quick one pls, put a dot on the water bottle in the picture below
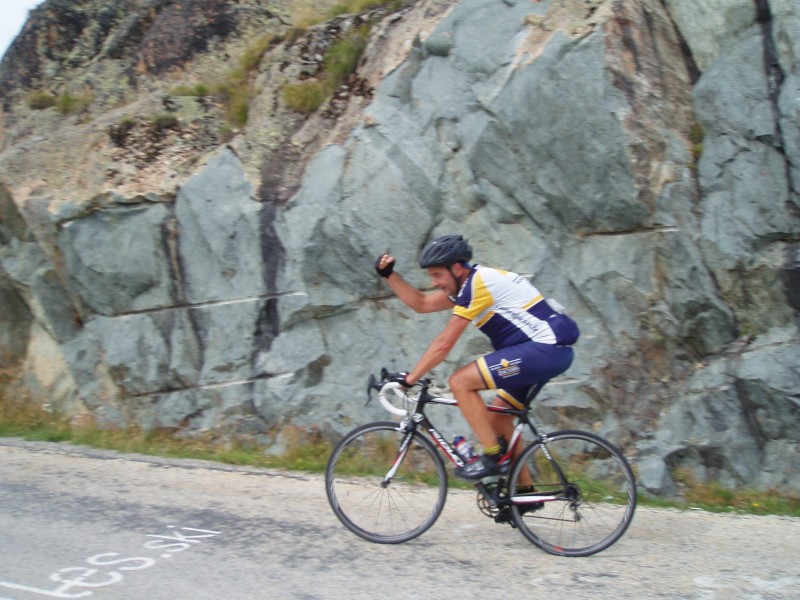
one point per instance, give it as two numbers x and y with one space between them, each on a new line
464 449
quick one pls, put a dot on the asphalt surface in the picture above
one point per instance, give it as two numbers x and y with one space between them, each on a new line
82 523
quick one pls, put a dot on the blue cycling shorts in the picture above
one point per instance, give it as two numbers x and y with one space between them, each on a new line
513 370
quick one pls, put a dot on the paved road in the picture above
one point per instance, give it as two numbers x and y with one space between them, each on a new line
83 523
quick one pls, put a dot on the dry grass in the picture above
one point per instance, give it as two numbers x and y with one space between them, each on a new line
713 496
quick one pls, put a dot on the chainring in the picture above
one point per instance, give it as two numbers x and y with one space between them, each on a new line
495 489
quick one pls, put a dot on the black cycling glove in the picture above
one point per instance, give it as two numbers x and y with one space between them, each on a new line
385 271
400 378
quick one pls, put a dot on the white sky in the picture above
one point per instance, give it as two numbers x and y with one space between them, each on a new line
13 14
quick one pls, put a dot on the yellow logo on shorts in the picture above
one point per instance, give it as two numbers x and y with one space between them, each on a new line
506 368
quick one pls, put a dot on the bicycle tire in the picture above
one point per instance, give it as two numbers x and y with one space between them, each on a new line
385 512
592 511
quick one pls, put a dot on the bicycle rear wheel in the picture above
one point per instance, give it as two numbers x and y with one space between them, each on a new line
591 511
376 503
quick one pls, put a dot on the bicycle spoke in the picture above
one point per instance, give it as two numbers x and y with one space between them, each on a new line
379 497
595 507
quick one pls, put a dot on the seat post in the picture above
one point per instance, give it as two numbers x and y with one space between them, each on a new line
534 392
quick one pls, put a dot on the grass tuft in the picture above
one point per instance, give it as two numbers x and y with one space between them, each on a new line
67 104
41 100
696 135
342 57
306 96
355 7
236 90
199 90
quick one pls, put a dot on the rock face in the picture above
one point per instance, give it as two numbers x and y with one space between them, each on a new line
639 158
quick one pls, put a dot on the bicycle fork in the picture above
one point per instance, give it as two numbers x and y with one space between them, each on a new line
398 460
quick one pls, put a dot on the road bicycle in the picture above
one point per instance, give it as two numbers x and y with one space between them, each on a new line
387 483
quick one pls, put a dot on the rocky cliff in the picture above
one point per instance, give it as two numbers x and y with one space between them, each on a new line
171 262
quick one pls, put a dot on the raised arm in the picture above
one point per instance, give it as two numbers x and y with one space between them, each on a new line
416 300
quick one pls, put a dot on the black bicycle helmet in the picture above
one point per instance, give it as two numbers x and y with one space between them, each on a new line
445 251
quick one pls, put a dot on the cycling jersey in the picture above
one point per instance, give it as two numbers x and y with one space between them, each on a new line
510 310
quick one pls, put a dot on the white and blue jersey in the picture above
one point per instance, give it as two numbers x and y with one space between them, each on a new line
508 308
531 340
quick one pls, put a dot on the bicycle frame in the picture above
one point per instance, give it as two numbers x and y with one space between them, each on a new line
415 417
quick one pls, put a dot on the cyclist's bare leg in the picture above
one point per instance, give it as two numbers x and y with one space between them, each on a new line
504 425
464 384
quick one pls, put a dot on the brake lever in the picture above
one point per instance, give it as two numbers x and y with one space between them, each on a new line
372 384
375 384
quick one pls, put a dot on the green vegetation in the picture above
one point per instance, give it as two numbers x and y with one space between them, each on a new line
41 100
65 103
696 135
305 97
340 61
342 57
198 90
714 497
356 7
235 90
254 53
18 418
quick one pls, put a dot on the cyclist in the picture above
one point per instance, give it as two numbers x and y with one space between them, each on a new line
532 339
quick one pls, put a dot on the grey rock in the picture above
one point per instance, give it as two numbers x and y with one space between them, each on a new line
117 259
709 26
237 297
218 234
744 180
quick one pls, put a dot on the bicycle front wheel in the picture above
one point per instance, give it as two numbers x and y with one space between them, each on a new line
380 490
586 511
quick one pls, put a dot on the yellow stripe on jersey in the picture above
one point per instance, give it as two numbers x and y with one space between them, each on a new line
481 300
498 302
536 300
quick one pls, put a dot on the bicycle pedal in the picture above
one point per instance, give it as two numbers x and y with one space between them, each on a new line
503 517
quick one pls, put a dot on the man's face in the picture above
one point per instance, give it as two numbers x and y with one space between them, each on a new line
444 280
